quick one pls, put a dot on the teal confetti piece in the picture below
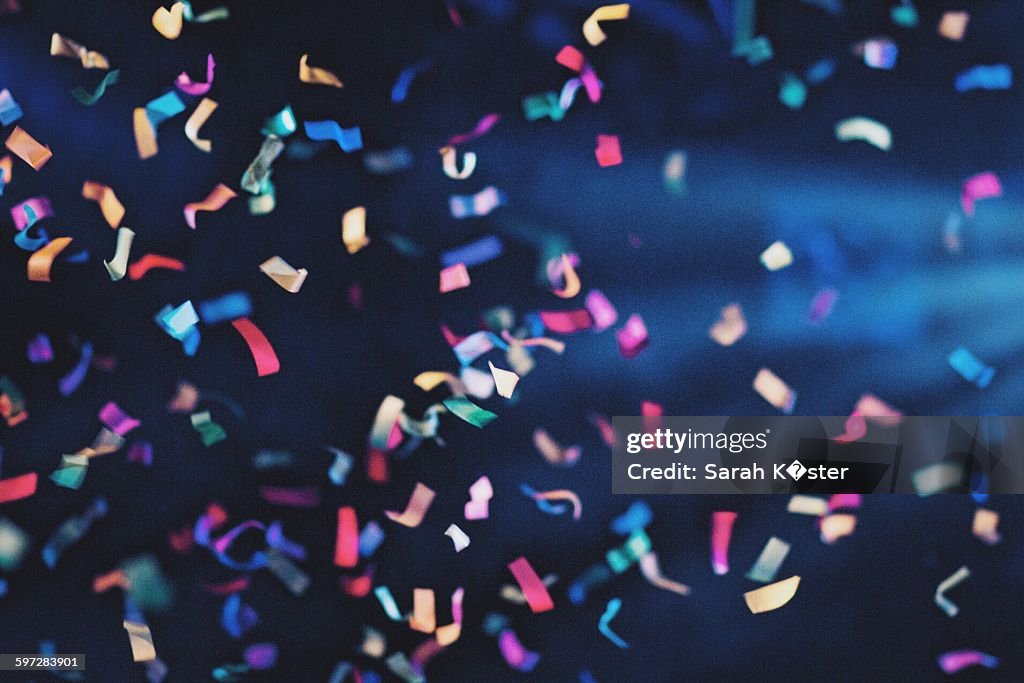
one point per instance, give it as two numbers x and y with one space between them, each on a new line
90 98
469 411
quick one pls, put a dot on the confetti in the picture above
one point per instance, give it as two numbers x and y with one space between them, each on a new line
448 163
419 502
147 120
984 526
71 381
458 536
731 326
110 206
291 496
821 305
771 597
552 452
515 654
141 640
61 46
480 494
346 548
480 204
400 90
278 270
537 596
651 570
14 543
118 421
118 266
215 201
834 527
40 350
721 534
349 139
622 558
149 262
632 337
17 488
984 77
777 256
9 109
952 26
262 352
772 389
863 128
755 49
353 229
260 656
370 539
387 601
603 625
957 660
6 169
608 152
315 75
572 280
454 277
27 148
769 561
970 368
169 22
869 407
982 186
90 98
72 531
592 28
878 53
196 121
482 127
792 91
947 584
469 411
209 431
40 262
505 381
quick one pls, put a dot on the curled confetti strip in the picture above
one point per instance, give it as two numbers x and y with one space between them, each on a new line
186 85
90 98
218 197
262 352
604 624
592 27
315 75
61 46
149 262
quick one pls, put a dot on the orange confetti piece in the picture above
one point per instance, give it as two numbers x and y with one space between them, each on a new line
27 148
145 134
314 75
572 281
40 262
113 210
215 201
62 46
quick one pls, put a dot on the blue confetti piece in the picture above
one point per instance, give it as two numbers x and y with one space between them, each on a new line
400 89
820 71
370 539
970 368
473 254
982 77
614 605
229 306
637 517
9 109
163 108
349 139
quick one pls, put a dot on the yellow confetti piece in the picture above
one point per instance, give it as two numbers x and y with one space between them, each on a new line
168 22
953 25
353 229
145 134
424 615
141 639
771 597
196 121
652 572
113 210
592 29
61 46
27 148
215 201
448 163
427 381
40 262
868 130
777 256
834 527
315 75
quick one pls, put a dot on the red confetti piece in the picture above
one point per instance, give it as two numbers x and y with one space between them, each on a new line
17 488
151 261
346 549
608 151
262 352
536 593
567 322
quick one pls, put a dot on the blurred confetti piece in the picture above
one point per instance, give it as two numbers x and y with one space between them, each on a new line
71 381
374 645
774 390
449 633
110 206
19 487
388 161
90 98
821 305
30 211
349 139
346 547
949 583
40 350
632 337
454 277
792 91
868 407
552 452
209 431
601 310
196 121
61 46
293 578
150 261
370 538
118 421
592 28
260 656
505 381
145 134
721 535
400 90
71 531
984 77
957 660
608 151
769 561
384 422
186 85
9 109
6 171
141 452
651 570
984 526
969 367
40 262
387 601
731 326
480 494
278 270
14 543
262 352
469 411
71 472
865 129
981 186
291 496
353 229
168 22
515 654
952 26
12 404
635 518
141 640
604 624
536 593
937 478
878 53
479 204
148 119
771 597
904 14
572 280
514 595
27 148
777 256
315 75
561 494
458 536
482 127
419 502
118 266
449 164
834 527
400 665
674 172
218 197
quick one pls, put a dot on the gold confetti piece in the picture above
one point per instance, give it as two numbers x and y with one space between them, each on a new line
777 256
61 46
390 408
141 640
428 381
6 167
315 75
451 170
145 134
807 505
374 644
27 148
214 201
572 280
424 615
168 22
40 262
953 25
771 597
731 327
951 582
504 380
551 451
984 526
118 265
353 229
834 527
774 390
936 478
196 121
592 29
419 503
113 210
278 270
652 572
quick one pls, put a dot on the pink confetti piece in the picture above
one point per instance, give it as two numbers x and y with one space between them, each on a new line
841 501
291 496
454 277
608 151
260 656
571 58
869 407
981 186
567 322
141 451
419 502
536 593
262 352
117 420
215 201
821 305
346 547
601 310
482 127
515 654
40 206
956 660
721 535
19 487
187 85
480 494
632 337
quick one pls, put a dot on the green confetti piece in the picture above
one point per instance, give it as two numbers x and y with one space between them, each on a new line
281 124
543 104
469 411
904 15
71 472
209 431
90 98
